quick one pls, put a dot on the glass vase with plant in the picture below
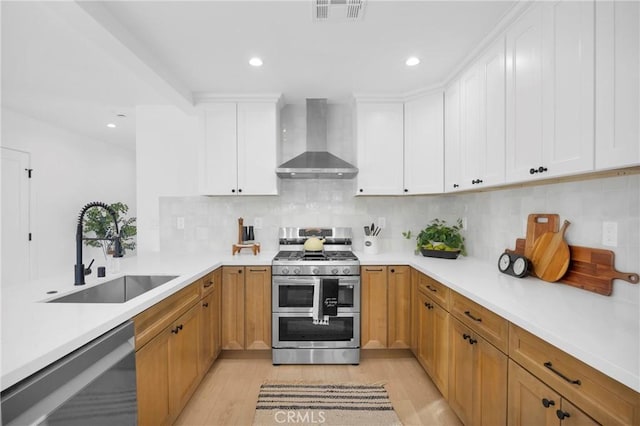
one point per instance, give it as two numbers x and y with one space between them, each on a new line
99 224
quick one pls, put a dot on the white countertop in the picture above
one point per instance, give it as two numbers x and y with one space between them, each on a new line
598 330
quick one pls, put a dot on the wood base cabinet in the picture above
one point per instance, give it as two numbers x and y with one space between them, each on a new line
246 307
210 315
399 295
433 341
477 378
531 402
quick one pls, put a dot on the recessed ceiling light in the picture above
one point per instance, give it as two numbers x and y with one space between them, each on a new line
255 62
412 61
111 126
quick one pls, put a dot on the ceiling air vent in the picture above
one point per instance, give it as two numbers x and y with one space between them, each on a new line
338 10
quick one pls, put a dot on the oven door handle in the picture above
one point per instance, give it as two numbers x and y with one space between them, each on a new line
308 281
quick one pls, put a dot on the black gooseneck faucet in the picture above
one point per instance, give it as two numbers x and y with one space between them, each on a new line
79 268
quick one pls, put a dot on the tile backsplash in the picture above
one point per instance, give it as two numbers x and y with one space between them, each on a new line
494 218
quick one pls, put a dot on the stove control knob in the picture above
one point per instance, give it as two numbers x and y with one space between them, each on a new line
346 271
296 271
315 271
334 271
285 271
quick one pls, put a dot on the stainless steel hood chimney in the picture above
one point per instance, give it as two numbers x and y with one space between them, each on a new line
316 162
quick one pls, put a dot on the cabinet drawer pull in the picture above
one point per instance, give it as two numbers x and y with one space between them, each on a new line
562 414
205 304
465 336
468 313
573 382
431 288
373 270
177 329
548 402
426 305
472 341
258 270
209 284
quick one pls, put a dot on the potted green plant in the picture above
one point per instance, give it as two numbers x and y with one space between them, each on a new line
439 239
98 223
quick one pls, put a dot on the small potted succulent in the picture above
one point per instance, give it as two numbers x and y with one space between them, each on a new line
439 239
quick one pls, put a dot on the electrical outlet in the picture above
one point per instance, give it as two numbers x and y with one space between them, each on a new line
382 222
257 223
180 222
610 234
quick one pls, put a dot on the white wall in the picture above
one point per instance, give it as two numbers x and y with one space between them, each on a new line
69 170
166 164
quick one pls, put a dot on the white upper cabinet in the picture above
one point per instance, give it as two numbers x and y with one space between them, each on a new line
617 84
452 151
379 136
550 91
240 148
475 124
424 145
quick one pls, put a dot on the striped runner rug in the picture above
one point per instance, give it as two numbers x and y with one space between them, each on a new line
324 404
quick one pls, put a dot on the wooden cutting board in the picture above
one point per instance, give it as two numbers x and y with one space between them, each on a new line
550 255
593 270
537 225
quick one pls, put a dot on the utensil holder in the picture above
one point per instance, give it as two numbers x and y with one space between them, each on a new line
371 244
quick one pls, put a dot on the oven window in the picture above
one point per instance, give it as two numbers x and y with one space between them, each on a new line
302 329
295 296
301 296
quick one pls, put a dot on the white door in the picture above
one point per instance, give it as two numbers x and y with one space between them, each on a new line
424 145
452 154
257 148
617 84
15 217
471 141
220 155
380 144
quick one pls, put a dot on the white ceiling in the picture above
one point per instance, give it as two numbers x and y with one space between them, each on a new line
78 64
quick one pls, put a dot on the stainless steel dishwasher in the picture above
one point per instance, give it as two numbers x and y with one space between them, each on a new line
94 385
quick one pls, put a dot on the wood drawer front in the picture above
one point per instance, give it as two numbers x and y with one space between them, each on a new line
206 284
435 290
149 323
604 399
489 325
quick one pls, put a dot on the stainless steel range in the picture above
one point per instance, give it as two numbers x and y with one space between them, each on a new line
316 298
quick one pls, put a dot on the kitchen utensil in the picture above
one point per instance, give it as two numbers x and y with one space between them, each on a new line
373 228
538 224
593 270
375 234
550 255
314 244
367 231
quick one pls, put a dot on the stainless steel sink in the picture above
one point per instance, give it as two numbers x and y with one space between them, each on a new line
118 290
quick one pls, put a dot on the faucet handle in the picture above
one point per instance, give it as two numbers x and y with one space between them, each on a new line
87 270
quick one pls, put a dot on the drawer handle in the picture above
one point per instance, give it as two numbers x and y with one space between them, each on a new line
573 382
562 414
467 313
209 284
373 270
465 336
257 270
548 402
472 341
205 304
177 329
431 288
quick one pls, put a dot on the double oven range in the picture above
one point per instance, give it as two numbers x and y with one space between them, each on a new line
315 299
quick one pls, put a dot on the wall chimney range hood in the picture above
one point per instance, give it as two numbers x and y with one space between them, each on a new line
316 162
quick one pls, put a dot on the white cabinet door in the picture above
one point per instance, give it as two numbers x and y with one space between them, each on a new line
492 152
424 145
550 91
379 138
257 145
568 87
524 95
617 84
470 127
219 176
452 153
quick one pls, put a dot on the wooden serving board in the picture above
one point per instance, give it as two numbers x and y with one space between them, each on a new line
550 255
537 225
590 269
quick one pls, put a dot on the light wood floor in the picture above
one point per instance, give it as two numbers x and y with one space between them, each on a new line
228 393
